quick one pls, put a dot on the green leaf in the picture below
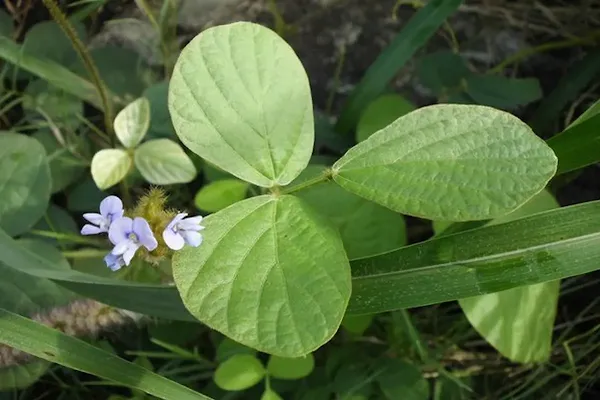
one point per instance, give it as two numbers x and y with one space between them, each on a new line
366 228
132 122
567 90
577 146
587 114
228 348
84 196
24 182
380 113
290 368
257 253
239 372
160 123
110 166
402 380
65 168
163 162
121 70
220 194
357 324
240 98
42 100
502 92
22 376
52 72
47 40
269 394
423 24
449 162
49 344
443 70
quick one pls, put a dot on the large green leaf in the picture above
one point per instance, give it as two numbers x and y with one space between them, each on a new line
65 167
47 40
366 228
240 98
52 345
270 274
380 113
24 182
449 162
518 322
163 162
50 71
413 36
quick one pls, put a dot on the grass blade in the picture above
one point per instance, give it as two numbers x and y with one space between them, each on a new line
544 247
49 344
415 34
578 146
50 71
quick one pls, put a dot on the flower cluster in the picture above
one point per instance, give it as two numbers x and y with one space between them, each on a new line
128 235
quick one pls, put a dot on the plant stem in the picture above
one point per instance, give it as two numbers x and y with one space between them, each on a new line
91 68
326 176
561 44
85 253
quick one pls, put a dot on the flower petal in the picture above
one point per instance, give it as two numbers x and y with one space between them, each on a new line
91 230
94 218
192 238
173 240
111 205
176 219
145 235
190 224
194 220
113 262
128 255
120 229
122 247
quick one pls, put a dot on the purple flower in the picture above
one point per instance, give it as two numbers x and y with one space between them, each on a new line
128 236
111 208
114 262
182 231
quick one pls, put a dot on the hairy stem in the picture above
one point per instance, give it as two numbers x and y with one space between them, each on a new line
326 176
79 47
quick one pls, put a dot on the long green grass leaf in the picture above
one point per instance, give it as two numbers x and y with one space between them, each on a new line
52 345
578 146
50 71
414 35
544 247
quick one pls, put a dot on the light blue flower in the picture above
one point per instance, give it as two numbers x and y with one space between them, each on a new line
111 208
128 236
182 230
114 262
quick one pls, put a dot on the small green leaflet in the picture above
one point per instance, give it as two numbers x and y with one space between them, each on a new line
132 122
220 194
163 162
449 162
239 372
380 113
240 98
290 368
109 167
